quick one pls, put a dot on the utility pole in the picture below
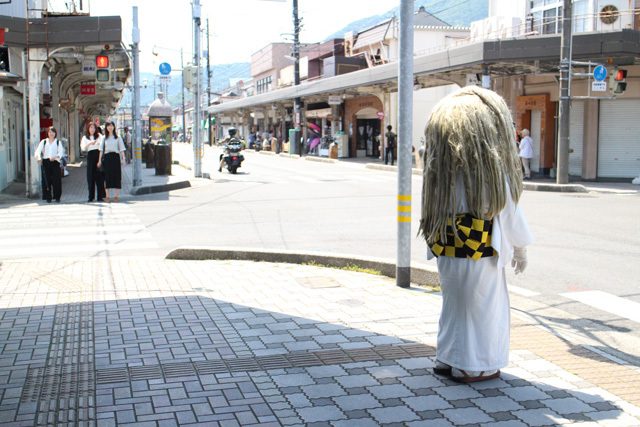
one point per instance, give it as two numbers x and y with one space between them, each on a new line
294 146
184 123
405 143
209 87
562 175
197 141
135 113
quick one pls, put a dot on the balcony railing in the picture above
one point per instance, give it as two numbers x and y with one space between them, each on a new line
492 28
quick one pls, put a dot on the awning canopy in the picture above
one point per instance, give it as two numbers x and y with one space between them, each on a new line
9 78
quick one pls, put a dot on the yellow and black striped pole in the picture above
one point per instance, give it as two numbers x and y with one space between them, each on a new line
405 143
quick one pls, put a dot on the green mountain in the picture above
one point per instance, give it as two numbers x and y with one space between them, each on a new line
458 13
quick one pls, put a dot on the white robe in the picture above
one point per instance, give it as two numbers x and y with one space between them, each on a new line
473 333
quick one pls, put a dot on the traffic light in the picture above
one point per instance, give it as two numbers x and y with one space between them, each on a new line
617 83
4 59
102 68
189 76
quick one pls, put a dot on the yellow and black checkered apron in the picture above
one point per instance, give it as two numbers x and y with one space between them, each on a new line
473 241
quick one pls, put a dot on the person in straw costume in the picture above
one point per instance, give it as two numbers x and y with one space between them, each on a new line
473 224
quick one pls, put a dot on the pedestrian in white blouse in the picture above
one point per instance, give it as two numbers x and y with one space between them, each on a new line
112 155
48 153
91 144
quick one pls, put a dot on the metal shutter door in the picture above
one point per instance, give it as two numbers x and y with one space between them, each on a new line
576 129
536 120
619 139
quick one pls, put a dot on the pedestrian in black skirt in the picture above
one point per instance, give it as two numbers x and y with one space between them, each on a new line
91 144
112 155
48 153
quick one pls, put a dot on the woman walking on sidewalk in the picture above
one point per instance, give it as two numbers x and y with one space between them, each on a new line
91 144
48 153
112 155
472 222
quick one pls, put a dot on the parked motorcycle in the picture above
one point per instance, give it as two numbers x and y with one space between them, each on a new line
231 158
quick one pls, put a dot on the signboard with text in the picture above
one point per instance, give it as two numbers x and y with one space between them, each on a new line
87 89
89 67
599 86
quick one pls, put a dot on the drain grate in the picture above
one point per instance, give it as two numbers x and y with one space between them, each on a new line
263 363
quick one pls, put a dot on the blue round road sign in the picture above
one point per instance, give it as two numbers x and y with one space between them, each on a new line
165 68
600 73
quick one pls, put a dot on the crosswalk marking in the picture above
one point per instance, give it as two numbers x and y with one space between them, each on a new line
522 291
79 230
607 302
60 249
37 230
76 238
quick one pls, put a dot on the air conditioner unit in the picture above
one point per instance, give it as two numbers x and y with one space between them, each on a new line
477 30
612 15
491 25
508 26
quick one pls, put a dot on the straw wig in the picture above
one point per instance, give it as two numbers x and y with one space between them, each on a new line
470 133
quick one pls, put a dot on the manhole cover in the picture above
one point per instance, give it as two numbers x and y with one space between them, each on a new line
318 282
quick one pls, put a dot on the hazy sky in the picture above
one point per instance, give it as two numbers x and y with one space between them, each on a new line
238 28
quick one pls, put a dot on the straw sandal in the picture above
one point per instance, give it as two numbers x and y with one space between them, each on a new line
466 378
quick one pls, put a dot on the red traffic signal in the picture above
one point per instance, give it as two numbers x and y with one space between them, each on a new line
102 61
620 75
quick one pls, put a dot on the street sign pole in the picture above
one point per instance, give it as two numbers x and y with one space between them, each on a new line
405 143
562 176
197 142
135 114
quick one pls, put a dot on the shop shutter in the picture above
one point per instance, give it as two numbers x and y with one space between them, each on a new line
536 121
618 139
576 129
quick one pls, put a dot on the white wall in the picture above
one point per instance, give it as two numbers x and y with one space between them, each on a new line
423 102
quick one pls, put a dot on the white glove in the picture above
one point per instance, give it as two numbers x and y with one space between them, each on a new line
519 261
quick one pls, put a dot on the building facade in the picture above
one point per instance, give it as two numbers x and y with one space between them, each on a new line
52 81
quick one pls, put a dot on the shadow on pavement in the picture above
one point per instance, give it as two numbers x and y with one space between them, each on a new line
193 359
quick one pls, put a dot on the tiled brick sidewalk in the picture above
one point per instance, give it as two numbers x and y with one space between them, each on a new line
156 342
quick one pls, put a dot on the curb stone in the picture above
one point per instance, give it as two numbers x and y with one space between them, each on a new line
414 171
321 159
423 275
150 189
559 188
289 156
